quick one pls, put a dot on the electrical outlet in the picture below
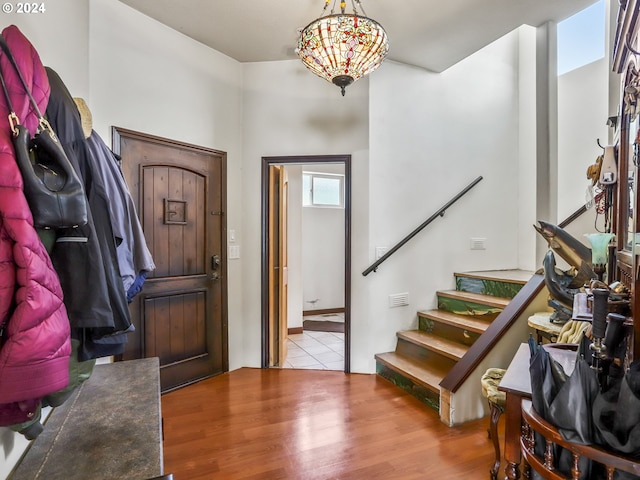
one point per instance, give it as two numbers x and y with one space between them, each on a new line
234 252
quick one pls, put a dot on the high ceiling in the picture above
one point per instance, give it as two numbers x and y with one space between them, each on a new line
432 34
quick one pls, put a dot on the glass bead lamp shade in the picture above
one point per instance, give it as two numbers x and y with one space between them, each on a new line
599 247
599 251
341 48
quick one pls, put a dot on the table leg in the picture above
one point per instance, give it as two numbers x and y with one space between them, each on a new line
512 471
513 422
496 411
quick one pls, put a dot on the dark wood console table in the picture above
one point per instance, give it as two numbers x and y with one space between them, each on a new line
516 383
110 428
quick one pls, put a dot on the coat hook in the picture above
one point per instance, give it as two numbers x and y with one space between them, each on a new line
598 140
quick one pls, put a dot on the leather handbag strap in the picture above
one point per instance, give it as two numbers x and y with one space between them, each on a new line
13 118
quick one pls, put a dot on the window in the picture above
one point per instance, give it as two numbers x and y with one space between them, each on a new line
581 38
322 190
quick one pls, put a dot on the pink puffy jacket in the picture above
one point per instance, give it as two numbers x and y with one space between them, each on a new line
35 346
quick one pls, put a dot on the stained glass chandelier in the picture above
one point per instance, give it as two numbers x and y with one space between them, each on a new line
342 47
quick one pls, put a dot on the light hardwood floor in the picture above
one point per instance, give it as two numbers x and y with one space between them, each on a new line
314 425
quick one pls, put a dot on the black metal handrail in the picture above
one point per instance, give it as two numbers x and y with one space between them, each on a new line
440 213
573 216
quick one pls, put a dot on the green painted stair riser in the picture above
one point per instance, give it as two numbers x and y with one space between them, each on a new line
456 334
462 307
423 394
495 288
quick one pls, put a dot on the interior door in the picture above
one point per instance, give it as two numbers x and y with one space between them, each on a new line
283 292
270 341
180 315
277 265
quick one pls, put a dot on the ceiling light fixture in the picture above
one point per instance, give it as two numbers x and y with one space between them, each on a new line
342 47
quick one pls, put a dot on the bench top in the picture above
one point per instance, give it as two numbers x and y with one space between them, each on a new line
109 428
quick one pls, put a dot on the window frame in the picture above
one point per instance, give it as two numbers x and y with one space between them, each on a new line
310 191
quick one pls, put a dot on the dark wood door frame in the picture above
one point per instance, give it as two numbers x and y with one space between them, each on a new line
304 160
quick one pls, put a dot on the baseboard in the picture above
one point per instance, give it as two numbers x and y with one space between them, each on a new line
322 312
294 330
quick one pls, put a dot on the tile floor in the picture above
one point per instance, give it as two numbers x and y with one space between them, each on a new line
316 351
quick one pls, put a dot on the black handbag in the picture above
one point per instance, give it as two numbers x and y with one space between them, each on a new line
52 188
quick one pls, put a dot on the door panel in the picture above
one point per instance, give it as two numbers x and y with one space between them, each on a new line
278 265
175 214
180 316
284 267
272 267
180 322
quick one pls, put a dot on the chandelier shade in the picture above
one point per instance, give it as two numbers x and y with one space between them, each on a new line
341 48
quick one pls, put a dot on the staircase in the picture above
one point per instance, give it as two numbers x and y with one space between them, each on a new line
423 357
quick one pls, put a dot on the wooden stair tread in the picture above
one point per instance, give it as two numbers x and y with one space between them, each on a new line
489 300
425 358
510 276
446 348
418 371
473 323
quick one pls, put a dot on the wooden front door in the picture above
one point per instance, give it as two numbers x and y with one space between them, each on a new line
180 315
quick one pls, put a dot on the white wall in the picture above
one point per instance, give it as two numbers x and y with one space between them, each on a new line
323 251
582 114
323 257
295 304
431 135
305 115
527 135
416 138
582 121
315 249
66 49
137 74
150 78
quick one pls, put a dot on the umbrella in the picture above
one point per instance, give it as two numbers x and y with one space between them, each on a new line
586 414
616 413
565 401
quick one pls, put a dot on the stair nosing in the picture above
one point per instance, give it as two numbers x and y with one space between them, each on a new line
479 298
471 323
423 339
413 376
490 275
